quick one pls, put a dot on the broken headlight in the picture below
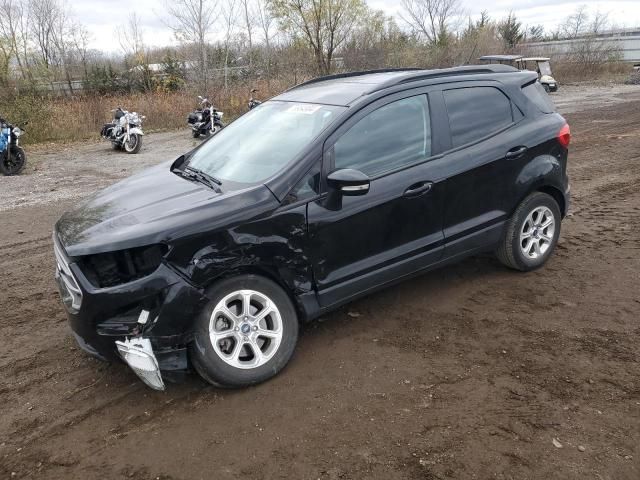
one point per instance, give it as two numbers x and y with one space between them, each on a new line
115 268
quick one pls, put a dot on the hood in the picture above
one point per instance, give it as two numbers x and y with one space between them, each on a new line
154 206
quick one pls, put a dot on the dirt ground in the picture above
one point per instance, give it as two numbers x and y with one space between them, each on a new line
471 371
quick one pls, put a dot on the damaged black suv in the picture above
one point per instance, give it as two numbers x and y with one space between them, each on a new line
335 188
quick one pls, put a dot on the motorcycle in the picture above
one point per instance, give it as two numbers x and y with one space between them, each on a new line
253 103
12 156
205 120
125 131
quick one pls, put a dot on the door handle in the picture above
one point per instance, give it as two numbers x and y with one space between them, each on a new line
418 189
516 152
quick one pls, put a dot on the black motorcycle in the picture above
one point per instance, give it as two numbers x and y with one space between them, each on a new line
206 120
12 156
253 103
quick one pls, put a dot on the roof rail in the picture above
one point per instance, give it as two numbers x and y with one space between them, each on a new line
355 74
446 72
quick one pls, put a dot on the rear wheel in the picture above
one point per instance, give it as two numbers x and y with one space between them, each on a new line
532 233
246 334
134 144
13 164
196 133
546 88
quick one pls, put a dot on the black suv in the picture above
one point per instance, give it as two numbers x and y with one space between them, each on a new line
338 187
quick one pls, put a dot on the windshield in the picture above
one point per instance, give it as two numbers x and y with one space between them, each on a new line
263 141
544 68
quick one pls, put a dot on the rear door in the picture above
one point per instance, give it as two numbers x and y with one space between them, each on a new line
394 229
487 151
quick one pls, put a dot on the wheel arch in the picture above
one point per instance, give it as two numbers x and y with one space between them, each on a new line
270 273
542 174
557 195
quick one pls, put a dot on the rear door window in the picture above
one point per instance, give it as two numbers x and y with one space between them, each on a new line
476 112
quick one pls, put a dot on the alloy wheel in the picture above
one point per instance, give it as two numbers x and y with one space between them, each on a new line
536 236
245 329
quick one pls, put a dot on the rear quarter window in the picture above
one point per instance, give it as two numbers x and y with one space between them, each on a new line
476 112
536 94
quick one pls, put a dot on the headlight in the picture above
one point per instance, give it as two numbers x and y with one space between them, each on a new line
122 266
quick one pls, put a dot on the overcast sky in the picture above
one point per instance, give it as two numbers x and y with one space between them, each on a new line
102 17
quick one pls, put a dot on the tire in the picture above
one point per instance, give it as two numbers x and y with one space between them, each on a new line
134 144
14 164
229 359
526 229
546 87
196 134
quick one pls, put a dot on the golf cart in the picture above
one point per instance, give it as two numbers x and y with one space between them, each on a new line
542 66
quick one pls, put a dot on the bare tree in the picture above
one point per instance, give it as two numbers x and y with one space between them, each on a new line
191 22
265 22
323 24
13 20
131 38
248 19
43 15
576 23
230 17
433 19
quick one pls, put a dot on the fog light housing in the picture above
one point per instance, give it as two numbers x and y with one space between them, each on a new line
138 354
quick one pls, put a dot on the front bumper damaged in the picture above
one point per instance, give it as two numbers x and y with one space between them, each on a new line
138 354
108 323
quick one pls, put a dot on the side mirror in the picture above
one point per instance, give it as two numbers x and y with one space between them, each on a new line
345 182
349 182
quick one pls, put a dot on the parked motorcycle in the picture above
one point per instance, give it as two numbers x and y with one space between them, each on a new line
125 131
253 103
205 120
12 156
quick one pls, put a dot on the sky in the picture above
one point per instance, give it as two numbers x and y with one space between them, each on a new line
101 17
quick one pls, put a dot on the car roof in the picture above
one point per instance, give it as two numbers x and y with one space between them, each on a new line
344 89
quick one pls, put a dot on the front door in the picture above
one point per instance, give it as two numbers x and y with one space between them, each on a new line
396 228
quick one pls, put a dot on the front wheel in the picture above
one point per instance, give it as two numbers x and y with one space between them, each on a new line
134 144
246 334
531 234
13 164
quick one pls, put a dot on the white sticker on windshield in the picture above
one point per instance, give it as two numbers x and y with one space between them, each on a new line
305 109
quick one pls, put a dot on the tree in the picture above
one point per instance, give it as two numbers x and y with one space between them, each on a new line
576 23
191 22
510 31
433 19
323 24
535 33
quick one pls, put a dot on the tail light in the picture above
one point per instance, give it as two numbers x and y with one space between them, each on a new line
564 136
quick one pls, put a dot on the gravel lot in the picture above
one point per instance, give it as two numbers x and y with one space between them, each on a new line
471 371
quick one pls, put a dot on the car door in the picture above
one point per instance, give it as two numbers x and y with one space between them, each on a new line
396 228
485 156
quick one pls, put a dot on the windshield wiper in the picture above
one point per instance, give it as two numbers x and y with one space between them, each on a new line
202 177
